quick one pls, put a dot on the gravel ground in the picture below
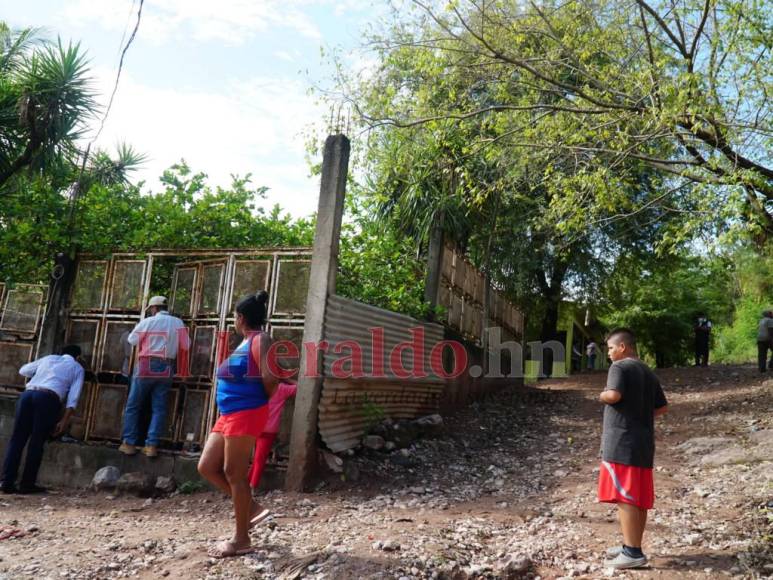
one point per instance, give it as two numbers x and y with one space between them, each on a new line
506 490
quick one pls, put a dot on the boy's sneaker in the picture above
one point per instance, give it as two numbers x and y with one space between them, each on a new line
614 552
622 562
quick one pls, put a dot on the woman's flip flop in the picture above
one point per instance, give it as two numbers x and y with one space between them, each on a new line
227 550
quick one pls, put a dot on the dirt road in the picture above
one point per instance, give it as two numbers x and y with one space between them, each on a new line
511 479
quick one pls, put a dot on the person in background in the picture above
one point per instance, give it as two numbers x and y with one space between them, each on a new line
55 381
591 350
765 340
160 338
702 338
244 387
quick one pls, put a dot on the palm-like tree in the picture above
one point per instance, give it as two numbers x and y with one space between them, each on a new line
45 100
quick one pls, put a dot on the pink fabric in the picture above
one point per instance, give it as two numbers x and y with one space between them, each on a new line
263 445
275 405
265 442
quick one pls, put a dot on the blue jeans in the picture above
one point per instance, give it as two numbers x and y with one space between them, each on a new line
142 387
36 415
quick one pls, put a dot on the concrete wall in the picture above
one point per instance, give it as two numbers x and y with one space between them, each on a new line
73 464
465 389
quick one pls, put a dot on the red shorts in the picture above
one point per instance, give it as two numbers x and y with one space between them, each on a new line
626 484
249 422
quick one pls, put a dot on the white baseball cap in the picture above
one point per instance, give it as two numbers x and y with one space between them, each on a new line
157 301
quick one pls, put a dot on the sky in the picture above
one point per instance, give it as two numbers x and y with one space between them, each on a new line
223 85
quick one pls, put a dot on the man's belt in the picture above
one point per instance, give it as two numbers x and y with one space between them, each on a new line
164 360
44 390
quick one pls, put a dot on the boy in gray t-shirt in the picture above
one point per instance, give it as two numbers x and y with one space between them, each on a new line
633 398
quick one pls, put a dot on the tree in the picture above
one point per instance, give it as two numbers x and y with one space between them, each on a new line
45 101
680 87
542 226
116 215
662 298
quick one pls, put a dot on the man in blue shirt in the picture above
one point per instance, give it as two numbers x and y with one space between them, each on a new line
54 380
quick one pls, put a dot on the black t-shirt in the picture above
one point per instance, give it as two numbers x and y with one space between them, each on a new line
629 424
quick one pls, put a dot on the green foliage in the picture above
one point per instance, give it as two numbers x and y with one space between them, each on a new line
190 487
187 213
661 300
753 293
45 101
544 225
373 413
377 265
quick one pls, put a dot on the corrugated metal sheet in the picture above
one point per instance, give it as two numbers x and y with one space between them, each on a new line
349 406
348 320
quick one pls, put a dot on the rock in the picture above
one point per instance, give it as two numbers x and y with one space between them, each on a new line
390 546
105 478
693 539
351 471
729 456
702 445
165 484
375 442
333 462
764 441
390 446
515 567
430 425
136 483
403 434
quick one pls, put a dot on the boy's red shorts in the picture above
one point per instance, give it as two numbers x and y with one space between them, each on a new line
626 484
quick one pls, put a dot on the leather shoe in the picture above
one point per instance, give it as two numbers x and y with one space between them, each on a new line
128 449
9 489
150 451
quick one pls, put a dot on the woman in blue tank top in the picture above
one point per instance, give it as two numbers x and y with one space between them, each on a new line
244 386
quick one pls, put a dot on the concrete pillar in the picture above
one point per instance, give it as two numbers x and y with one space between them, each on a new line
322 281
54 323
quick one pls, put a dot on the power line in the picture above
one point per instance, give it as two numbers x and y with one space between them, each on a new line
77 187
120 68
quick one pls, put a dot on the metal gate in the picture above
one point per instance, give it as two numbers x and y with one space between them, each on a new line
107 301
22 309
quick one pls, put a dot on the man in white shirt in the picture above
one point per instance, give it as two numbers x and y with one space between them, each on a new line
54 379
158 339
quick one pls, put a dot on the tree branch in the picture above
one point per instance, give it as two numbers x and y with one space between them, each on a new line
663 26
701 25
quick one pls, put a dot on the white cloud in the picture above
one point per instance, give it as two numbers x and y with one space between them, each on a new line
229 21
253 126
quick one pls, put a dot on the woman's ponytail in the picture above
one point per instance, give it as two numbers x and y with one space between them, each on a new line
254 309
